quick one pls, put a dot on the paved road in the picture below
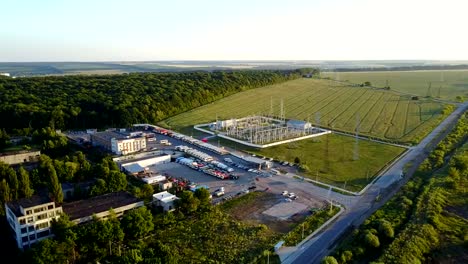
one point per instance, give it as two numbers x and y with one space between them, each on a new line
314 250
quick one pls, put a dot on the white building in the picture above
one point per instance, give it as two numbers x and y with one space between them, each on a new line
165 200
298 124
5 74
120 143
31 219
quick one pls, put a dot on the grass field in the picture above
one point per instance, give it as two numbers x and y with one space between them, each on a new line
341 170
382 114
452 83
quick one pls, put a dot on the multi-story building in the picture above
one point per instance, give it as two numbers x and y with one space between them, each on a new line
31 219
119 142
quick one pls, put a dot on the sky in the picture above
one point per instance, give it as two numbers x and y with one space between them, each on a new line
148 30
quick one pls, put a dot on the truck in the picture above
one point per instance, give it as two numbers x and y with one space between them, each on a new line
219 193
165 142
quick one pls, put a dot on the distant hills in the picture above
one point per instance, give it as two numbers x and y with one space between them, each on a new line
18 69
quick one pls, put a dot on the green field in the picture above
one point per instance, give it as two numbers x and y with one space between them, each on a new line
382 114
451 83
342 170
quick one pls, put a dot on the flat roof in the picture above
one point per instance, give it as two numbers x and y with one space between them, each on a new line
164 196
108 135
98 204
35 200
254 160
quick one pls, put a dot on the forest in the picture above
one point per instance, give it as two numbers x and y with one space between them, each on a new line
99 101
426 220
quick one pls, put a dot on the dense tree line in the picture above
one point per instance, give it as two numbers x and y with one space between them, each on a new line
414 225
119 100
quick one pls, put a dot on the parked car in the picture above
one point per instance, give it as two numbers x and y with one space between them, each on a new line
252 187
284 193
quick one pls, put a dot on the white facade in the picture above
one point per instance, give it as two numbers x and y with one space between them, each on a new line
33 223
166 200
127 145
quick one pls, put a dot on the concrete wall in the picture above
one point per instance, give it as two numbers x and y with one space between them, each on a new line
20 157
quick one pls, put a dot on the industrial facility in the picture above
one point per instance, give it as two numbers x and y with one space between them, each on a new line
262 131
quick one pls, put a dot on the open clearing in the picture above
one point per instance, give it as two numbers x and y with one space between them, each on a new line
383 114
452 83
342 170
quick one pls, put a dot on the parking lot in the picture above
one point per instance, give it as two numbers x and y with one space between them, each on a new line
281 208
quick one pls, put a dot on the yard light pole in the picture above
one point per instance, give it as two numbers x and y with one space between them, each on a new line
302 231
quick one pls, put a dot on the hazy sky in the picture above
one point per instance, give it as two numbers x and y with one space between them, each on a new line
85 30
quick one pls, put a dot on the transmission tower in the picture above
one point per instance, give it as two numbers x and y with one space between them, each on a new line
327 158
356 143
271 106
438 92
429 94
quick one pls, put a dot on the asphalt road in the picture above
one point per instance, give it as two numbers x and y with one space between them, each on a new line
315 249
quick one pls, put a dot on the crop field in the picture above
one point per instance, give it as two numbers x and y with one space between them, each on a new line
377 113
445 85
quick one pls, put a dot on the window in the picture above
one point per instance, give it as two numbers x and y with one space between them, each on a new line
24 239
32 237
28 212
43 234
51 214
42 225
30 220
42 216
50 207
24 230
22 221
31 228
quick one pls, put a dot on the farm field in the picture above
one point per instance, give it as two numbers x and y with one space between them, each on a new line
342 170
381 114
452 83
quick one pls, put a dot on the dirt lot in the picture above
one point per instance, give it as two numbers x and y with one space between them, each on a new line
251 209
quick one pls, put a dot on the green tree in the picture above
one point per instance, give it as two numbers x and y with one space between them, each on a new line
25 189
14 185
138 222
146 192
297 160
203 196
51 251
346 256
5 195
386 228
54 185
329 260
371 240
117 181
187 203
100 187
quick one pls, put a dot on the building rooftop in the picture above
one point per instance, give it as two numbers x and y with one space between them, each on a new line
297 122
35 200
98 204
255 160
165 196
108 135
